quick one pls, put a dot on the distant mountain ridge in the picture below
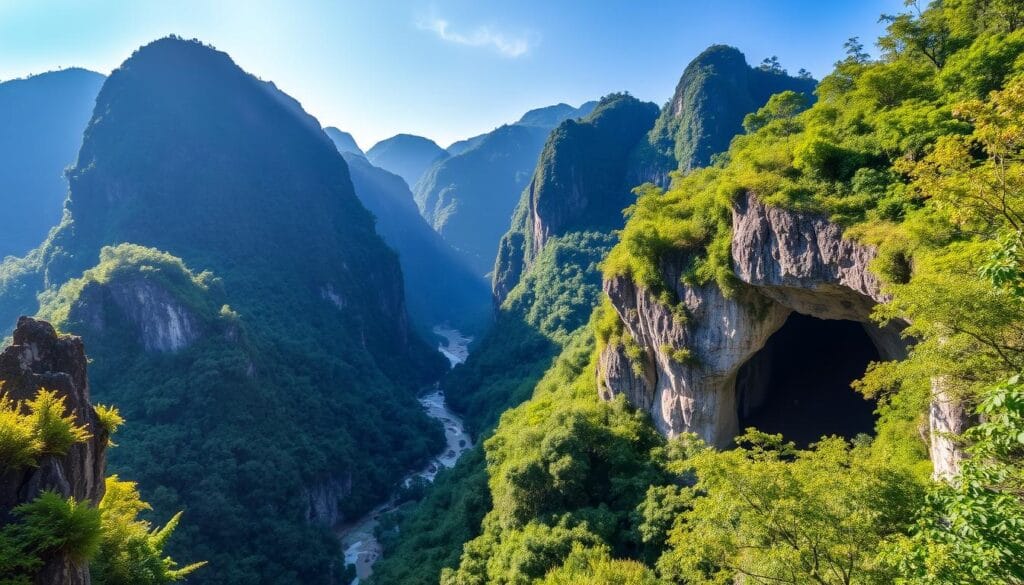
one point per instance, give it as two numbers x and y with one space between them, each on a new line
406 155
42 119
439 287
343 141
469 197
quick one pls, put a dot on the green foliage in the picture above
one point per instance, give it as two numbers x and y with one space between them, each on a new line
781 106
131 551
57 431
109 418
20 445
693 217
36 427
45 526
770 513
594 566
971 529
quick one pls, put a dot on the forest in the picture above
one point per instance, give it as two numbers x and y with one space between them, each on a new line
245 289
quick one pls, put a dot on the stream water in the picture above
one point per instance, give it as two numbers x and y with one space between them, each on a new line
357 538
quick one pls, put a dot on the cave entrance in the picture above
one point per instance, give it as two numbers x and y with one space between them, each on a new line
799 383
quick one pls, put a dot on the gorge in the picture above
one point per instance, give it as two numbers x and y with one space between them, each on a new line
768 331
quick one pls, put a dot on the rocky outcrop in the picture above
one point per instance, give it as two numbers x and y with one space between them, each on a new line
697 395
160 321
717 89
787 261
39 358
323 500
948 418
801 260
578 185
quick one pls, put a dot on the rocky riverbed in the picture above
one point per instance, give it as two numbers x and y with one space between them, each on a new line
357 538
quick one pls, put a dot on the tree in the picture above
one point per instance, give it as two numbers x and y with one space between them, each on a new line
131 551
770 513
772 65
972 529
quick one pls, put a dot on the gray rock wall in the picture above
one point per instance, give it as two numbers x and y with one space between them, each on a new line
39 358
787 261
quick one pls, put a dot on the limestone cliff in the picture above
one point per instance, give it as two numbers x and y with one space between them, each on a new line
578 185
786 261
39 358
159 320
717 89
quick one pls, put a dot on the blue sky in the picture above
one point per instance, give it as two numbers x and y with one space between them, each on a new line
445 70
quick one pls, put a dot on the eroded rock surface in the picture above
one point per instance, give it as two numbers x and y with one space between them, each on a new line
324 498
161 322
39 358
787 261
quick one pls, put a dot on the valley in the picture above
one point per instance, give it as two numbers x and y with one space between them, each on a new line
357 538
666 310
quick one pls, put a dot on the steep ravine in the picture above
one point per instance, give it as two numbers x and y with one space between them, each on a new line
357 537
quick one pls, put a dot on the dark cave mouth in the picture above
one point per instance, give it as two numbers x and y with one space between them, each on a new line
799 383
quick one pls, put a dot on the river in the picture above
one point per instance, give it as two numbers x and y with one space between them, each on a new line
357 538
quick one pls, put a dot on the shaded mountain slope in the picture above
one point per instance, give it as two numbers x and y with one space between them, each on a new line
41 123
241 311
469 197
406 155
439 287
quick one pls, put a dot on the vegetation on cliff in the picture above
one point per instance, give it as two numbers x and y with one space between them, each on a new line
917 153
269 391
120 548
469 196
715 92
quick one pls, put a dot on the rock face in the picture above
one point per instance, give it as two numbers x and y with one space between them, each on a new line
715 92
39 358
578 185
722 333
802 261
160 321
323 500
788 261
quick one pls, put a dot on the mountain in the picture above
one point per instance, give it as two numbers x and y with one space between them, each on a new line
547 117
439 287
41 123
343 141
406 155
469 197
579 185
546 284
715 92
576 194
551 116
240 310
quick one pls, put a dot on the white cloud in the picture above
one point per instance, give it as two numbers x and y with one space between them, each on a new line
482 36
